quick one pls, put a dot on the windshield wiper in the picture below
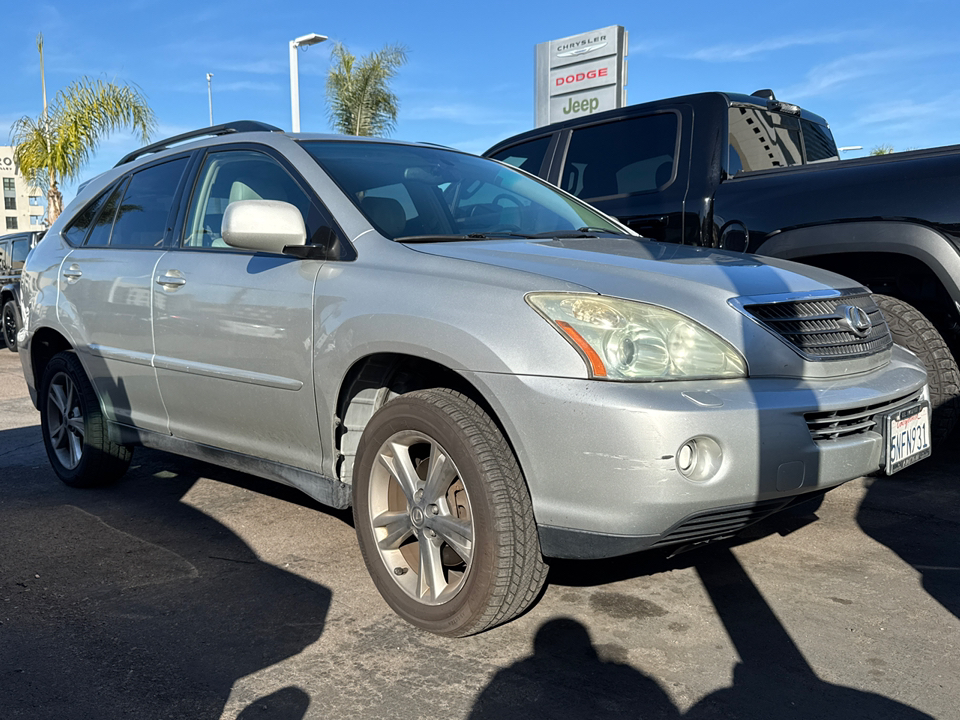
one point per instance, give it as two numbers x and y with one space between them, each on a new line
457 238
584 232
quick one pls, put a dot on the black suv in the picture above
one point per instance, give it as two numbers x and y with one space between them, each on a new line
13 253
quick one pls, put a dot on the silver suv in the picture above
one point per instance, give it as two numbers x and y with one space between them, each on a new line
487 369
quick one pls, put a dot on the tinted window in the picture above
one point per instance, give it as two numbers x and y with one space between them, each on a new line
142 214
20 250
628 156
4 257
760 140
528 155
818 142
77 230
100 232
235 175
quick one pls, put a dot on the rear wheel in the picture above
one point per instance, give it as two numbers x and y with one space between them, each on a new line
911 329
74 428
443 515
10 319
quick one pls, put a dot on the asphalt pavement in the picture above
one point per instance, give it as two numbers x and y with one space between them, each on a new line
189 591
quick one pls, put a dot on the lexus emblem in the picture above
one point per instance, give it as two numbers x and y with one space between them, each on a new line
855 319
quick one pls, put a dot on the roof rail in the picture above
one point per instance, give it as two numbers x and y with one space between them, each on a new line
224 129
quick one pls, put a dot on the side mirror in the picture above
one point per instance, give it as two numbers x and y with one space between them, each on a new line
263 225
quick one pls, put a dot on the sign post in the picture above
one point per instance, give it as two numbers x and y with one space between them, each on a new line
581 75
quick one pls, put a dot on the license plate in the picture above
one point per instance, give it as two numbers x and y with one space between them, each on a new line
907 435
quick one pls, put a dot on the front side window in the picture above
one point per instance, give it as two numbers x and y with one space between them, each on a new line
406 191
141 219
629 156
234 175
527 156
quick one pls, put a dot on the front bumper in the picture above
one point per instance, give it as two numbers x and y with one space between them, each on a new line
600 458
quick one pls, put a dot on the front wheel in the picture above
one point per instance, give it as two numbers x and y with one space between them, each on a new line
443 515
10 319
913 331
74 428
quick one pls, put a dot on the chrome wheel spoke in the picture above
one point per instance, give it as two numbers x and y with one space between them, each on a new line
432 581
56 432
441 473
397 529
76 449
59 399
457 533
76 424
398 462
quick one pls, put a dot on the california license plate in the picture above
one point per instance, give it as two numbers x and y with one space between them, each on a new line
907 434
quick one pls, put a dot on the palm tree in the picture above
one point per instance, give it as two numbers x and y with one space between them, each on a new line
56 145
361 102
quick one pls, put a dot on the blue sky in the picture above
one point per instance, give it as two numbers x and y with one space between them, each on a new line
880 72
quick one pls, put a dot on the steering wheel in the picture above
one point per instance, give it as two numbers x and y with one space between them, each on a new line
508 198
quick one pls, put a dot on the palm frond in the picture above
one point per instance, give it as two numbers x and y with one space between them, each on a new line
359 98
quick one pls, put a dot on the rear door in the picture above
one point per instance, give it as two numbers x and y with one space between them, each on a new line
234 328
106 284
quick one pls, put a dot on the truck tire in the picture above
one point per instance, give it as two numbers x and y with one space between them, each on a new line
443 515
918 335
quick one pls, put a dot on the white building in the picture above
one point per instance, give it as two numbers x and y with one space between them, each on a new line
24 207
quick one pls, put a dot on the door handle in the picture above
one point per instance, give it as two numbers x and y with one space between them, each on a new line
72 273
171 281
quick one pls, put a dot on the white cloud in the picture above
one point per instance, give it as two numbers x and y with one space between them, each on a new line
738 52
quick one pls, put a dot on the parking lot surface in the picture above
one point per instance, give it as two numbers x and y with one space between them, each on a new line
190 591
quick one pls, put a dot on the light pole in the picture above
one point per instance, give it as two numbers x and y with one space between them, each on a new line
302 41
210 96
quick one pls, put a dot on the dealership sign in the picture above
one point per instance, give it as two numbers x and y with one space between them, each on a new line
581 75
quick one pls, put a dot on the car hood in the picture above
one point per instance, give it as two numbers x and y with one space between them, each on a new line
633 268
697 282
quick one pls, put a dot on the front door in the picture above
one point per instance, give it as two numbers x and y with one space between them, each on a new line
234 328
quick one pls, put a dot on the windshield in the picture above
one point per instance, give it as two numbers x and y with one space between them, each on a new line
420 192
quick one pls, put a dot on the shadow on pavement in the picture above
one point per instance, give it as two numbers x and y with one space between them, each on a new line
566 677
916 513
128 602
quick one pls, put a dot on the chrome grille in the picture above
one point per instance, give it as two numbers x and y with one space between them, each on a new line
854 421
816 329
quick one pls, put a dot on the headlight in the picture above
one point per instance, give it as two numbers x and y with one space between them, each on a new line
626 340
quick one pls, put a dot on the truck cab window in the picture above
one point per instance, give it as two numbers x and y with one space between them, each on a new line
644 161
764 140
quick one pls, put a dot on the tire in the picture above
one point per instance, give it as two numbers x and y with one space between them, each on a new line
913 331
472 527
74 429
10 320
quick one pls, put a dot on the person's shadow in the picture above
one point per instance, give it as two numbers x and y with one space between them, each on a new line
566 676
129 602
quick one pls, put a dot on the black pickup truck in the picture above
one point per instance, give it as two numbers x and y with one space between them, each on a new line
751 173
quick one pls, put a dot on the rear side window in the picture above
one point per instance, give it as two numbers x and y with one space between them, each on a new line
527 156
77 230
761 140
141 219
99 234
630 156
818 142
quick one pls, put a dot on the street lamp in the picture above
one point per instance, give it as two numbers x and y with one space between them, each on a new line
302 41
210 96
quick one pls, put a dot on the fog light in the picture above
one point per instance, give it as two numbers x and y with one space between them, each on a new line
699 459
